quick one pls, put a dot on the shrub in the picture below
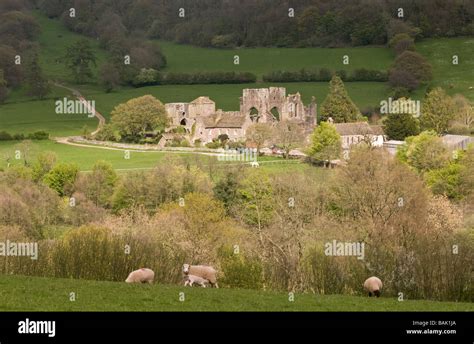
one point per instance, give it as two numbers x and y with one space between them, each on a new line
173 78
107 133
39 135
62 178
240 271
214 144
4 136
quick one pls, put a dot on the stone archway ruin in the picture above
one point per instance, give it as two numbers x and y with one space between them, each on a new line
254 115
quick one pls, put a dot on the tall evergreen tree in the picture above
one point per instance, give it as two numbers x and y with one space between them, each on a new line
338 105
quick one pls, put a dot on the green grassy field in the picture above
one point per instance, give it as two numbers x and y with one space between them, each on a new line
19 293
187 58
54 40
453 78
31 116
85 157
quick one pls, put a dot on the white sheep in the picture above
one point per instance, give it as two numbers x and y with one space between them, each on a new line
254 164
142 275
373 285
191 279
203 271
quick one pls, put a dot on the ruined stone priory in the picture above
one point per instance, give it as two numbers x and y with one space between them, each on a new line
203 122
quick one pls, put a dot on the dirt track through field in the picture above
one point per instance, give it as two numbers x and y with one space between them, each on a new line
83 100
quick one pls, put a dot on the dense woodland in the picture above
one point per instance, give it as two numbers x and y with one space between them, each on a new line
265 22
131 28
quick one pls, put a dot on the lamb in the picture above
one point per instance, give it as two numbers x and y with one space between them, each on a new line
373 285
203 271
142 275
191 279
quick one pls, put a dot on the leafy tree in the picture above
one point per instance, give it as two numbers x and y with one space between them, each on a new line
398 78
109 77
201 227
79 58
338 105
424 152
226 188
37 82
62 178
437 111
139 115
288 136
12 72
398 126
256 200
259 133
146 77
98 186
456 179
325 143
415 64
446 180
44 163
401 42
464 113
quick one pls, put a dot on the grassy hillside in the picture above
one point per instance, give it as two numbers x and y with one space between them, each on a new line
18 293
453 78
187 58
54 40
31 116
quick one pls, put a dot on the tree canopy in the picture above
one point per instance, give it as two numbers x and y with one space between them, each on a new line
138 116
325 143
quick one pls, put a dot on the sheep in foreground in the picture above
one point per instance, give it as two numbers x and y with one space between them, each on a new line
142 275
192 279
203 271
373 285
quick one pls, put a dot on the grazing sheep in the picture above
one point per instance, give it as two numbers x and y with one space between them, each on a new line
142 275
203 271
254 164
373 285
191 279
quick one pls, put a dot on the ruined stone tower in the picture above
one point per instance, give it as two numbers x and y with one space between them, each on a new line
271 104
